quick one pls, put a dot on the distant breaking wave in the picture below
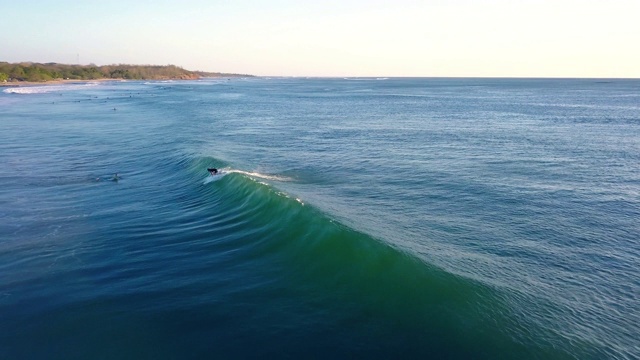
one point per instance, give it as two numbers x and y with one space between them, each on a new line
367 79
47 88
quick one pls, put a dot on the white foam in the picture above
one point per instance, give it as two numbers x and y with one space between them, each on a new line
43 89
212 178
158 82
254 175
261 176
366 79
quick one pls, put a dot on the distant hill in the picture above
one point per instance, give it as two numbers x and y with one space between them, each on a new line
36 72
219 74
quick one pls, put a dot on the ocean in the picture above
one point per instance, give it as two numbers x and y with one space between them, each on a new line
354 218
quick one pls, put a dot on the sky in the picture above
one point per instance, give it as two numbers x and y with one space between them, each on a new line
451 38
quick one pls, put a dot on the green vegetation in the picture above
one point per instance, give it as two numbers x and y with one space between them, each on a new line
52 71
219 74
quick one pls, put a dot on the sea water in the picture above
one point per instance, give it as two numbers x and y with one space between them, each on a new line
355 218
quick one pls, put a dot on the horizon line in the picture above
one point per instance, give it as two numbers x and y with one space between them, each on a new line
348 76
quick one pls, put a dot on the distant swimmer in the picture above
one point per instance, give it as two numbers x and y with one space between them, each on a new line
212 171
115 177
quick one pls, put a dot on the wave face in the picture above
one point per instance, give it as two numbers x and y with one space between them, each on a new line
404 218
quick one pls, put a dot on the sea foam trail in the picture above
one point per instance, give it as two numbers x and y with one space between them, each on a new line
223 172
212 178
261 176
47 88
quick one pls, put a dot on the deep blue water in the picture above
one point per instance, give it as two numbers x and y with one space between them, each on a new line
357 218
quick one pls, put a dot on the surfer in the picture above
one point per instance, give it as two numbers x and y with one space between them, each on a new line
212 171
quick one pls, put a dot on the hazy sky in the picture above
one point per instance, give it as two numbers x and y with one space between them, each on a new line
547 38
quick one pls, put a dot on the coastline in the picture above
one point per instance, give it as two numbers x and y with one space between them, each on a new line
35 74
53 82
84 81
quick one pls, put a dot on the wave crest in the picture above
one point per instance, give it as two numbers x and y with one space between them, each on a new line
43 89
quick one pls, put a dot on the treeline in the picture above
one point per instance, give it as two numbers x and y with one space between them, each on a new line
220 74
52 71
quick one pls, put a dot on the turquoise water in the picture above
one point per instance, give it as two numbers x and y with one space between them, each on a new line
356 218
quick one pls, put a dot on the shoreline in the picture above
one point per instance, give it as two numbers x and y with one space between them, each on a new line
84 81
53 82
70 81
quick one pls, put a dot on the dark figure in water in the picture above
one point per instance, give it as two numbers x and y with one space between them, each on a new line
212 171
115 177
